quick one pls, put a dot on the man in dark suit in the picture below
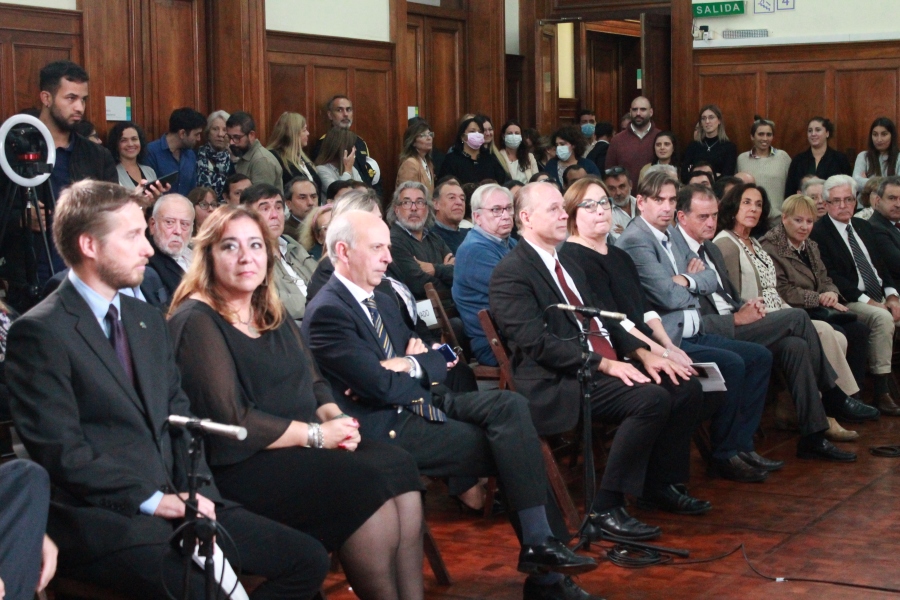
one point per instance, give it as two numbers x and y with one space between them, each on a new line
885 222
93 379
650 453
788 333
392 382
170 227
855 262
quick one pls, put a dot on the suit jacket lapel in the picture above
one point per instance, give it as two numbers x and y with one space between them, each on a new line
657 247
89 329
146 373
344 294
838 243
733 293
531 257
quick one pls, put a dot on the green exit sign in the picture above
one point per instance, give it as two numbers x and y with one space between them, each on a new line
718 9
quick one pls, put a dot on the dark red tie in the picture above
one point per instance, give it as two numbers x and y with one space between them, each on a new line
119 341
599 343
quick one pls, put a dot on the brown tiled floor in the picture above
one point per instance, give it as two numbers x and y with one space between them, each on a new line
811 520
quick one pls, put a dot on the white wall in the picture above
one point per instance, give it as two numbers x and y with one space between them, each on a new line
811 21
512 26
565 40
359 19
59 4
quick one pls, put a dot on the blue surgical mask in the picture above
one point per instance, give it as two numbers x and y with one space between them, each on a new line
563 153
588 129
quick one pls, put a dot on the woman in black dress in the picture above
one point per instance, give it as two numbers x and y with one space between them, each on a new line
711 145
471 160
819 159
610 270
303 463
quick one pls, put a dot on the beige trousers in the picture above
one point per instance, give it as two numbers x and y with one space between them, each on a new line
881 335
834 345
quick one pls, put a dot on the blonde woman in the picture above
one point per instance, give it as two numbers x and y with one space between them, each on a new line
289 136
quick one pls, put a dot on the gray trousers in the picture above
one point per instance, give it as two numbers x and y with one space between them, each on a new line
790 335
24 501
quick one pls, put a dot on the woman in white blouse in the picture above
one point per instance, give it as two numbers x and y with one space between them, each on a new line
520 163
336 157
881 159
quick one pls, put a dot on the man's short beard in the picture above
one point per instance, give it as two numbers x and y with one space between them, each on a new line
414 227
60 121
117 278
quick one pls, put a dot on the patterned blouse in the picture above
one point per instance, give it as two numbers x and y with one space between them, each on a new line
765 268
213 168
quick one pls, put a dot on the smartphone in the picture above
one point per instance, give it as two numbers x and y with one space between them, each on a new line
448 353
171 178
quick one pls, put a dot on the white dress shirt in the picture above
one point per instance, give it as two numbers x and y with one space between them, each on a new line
722 305
860 285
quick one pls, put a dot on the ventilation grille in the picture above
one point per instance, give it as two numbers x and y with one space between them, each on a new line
736 34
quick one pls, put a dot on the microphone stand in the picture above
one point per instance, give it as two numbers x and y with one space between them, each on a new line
198 529
585 377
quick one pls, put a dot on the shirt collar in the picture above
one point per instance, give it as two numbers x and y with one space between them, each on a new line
693 244
282 245
842 227
548 259
358 293
659 235
638 133
442 226
97 303
491 236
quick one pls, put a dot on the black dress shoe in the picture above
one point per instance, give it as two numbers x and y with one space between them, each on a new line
564 590
618 523
822 449
760 462
851 410
553 555
674 499
735 469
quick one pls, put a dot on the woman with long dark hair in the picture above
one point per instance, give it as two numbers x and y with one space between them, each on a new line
415 158
520 163
471 161
665 152
819 159
882 158
128 145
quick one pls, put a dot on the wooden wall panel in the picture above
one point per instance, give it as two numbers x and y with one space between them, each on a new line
794 98
412 69
736 95
515 87
305 71
444 101
485 50
29 39
862 92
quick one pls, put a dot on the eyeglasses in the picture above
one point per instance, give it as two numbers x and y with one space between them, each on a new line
706 118
236 137
409 203
208 205
591 205
614 172
499 210
425 135
841 201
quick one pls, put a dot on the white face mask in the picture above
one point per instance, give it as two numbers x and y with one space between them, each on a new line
512 140
563 153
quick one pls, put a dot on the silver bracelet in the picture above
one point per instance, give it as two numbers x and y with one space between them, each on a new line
314 437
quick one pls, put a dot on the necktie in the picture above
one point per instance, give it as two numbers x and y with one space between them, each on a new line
870 279
119 341
701 252
428 411
599 343
408 300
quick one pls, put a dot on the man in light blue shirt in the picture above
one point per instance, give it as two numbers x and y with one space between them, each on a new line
174 151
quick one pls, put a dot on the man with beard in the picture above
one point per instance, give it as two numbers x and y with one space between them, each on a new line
64 92
633 147
174 151
624 205
93 378
170 229
420 256
339 110
254 160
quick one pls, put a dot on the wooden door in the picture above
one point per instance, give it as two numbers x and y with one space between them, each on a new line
602 72
656 65
546 69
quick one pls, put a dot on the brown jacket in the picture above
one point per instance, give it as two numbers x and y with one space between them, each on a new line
412 169
798 285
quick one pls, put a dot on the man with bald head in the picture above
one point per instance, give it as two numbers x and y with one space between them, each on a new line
633 147
655 402
169 228
386 377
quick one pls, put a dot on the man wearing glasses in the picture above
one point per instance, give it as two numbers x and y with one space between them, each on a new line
254 160
169 229
174 151
484 247
420 256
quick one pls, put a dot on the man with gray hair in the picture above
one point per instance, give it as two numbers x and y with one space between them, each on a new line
449 212
169 228
420 256
856 265
485 246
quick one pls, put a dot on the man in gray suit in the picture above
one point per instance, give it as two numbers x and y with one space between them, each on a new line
712 306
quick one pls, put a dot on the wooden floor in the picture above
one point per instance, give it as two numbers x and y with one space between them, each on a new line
811 520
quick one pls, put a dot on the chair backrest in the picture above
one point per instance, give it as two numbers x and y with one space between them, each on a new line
447 334
498 346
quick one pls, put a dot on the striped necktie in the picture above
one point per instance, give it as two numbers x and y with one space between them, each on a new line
870 279
426 411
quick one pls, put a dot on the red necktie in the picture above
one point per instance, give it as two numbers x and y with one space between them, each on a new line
599 343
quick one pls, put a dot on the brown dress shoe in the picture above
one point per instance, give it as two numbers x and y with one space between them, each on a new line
887 405
836 433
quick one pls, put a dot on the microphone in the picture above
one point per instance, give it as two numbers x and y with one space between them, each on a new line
207 426
590 311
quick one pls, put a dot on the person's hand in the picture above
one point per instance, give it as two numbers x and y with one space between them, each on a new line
425 266
681 280
351 394
341 433
624 371
349 159
760 304
680 357
840 307
2 590
49 554
695 265
450 365
152 190
828 299
617 229
893 305
38 218
449 259
747 314
877 304
398 364
172 507
657 365
415 346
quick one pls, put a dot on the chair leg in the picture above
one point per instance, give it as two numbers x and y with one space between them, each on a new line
560 490
433 554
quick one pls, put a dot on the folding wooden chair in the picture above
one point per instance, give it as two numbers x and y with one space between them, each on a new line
482 372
